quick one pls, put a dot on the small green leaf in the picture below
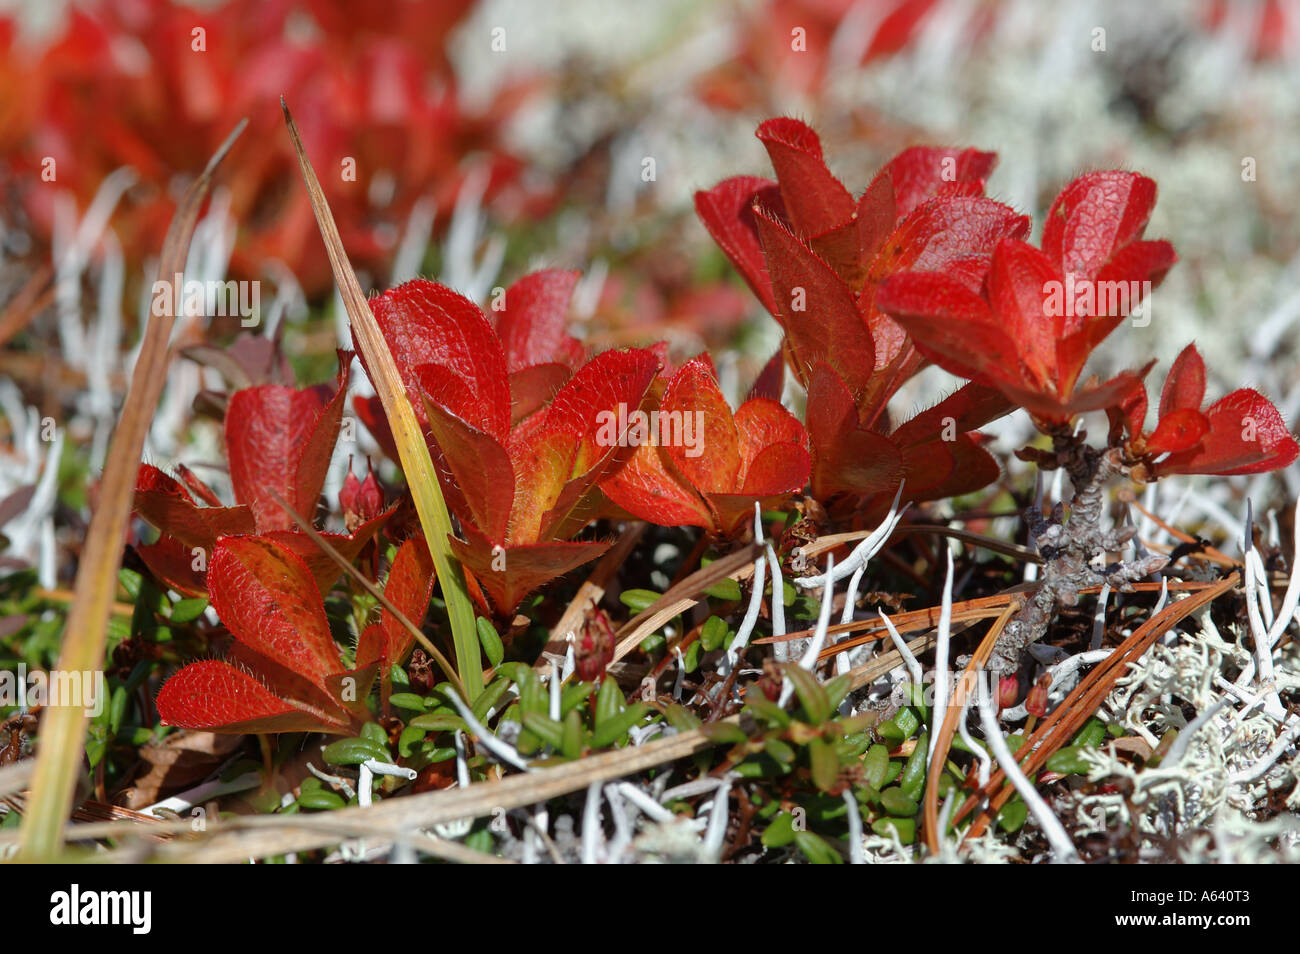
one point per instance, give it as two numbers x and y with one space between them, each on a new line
574 694
824 763
874 765
571 741
767 710
545 728
187 611
895 801
1069 761
781 832
681 718
439 722
490 641
812 695
609 701
816 850
726 590
714 633
1013 816
616 727
354 751
639 600
408 700
724 733
904 828
321 799
913 779
489 697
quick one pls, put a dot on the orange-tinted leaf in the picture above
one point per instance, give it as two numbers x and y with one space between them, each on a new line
760 424
610 381
697 429
349 545
409 588
508 575
647 487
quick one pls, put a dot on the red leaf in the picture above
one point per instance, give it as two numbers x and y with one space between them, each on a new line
165 504
280 440
846 458
727 212
322 568
711 462
427 323
513 572
215 696
173 563
1185 386
1179 430
1018 295
608 382
1246 436
534 387
480 470
267 598
1094 217
648 488
533 328
921 172
950 325
409 588
815 201
771 380
817 310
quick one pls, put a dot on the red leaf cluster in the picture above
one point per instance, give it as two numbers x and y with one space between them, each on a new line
516 432
1028 329
1241 433
284 673
816 257
699 465
278 442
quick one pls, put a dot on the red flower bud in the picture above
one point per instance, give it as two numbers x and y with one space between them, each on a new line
770 682
594 648
1036 701
1008 691
360 500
